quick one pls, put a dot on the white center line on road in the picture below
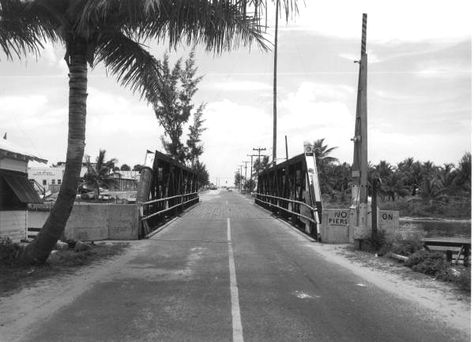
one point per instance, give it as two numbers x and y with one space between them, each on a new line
237 333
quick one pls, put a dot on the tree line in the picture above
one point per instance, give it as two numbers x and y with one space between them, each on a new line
408 178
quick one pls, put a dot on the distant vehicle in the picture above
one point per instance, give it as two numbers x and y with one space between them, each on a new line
86 195
213 187
229 189
105 197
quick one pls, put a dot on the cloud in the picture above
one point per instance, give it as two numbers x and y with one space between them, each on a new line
232 131
22 106
309 92
397 146
232 85
372 58
436 70
123 126
401 20
317 111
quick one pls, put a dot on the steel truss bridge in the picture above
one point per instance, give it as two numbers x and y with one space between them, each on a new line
291 190
165 189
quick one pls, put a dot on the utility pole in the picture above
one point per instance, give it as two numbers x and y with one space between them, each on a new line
359 166
245 179
246 162
286 147
240 183
277 5
259 149
251 163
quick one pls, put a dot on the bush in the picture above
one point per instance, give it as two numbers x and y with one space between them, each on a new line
431 263
406 246
464 279
435 264
379 244
9 251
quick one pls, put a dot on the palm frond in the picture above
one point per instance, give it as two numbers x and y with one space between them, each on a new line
218 24
26 25
133 65
20 32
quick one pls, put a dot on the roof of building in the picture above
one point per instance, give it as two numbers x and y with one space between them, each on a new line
11 150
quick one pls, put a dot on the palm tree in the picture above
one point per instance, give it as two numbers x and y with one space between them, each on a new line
340 178
111 31
463 173
100 174
322 152
323 160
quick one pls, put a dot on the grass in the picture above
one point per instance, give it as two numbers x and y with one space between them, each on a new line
419 260
15 277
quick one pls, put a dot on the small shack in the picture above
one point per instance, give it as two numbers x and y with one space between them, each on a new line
15 190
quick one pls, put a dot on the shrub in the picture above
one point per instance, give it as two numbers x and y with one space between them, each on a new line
464 279
9 251
431 263
379 244
406 246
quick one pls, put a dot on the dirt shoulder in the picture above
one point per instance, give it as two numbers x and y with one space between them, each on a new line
23 310
443 299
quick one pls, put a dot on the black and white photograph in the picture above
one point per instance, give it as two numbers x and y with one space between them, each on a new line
235 170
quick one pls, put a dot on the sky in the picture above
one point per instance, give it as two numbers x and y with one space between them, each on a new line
419 91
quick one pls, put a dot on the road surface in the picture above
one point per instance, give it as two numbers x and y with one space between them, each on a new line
228 271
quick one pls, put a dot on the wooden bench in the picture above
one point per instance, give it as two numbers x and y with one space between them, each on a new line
450 245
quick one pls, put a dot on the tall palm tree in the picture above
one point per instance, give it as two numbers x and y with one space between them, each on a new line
112 32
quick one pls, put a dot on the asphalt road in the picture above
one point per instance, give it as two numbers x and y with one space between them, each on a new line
228 271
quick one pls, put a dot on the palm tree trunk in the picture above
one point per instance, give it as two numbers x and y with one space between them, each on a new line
38 251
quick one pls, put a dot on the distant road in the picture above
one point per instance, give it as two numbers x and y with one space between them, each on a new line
228 271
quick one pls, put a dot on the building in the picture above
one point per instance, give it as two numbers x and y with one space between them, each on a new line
47 180
126 180
16 191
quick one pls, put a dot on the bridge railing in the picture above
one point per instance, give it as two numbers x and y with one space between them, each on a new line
165 189
274 201
160 206
291 190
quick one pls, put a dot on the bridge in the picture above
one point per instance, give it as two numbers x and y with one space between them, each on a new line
227 269
224 266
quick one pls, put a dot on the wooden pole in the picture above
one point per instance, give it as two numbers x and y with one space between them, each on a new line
375 189
277 5
360 159
259 149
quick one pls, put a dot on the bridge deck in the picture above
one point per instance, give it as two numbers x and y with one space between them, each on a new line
228 271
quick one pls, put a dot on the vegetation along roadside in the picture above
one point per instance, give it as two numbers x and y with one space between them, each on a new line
66 258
